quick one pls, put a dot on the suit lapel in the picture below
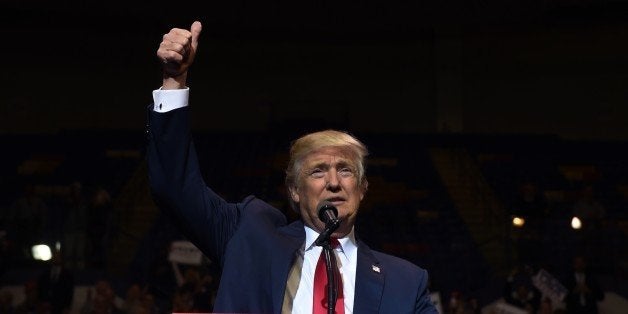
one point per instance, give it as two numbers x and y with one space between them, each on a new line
290 239
369 281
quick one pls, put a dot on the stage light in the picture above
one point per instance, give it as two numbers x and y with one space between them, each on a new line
518 221
41 252
576 223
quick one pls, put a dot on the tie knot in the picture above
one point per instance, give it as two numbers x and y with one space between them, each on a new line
333 242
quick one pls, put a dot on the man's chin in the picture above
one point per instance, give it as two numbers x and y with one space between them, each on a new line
341 232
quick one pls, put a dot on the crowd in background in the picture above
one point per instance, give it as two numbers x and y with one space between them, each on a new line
80 219
81 222
195 295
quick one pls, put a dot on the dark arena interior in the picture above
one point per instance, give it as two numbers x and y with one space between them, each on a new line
497 132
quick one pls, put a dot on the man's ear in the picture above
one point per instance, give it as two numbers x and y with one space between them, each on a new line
293 194
364 187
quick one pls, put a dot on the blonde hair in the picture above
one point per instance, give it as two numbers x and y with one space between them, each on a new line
309 143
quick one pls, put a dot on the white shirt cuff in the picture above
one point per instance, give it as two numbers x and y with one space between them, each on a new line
170 99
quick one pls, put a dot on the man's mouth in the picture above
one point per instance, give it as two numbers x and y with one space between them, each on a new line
336 200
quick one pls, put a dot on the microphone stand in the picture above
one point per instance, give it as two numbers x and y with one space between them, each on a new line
332 289
330 262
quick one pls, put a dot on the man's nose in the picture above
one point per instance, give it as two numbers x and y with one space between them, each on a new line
332 181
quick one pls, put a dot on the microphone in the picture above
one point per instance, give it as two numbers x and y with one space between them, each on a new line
327 213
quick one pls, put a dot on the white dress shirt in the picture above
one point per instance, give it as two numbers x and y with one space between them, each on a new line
346 256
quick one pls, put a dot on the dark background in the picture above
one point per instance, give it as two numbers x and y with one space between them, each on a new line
526 91
539 67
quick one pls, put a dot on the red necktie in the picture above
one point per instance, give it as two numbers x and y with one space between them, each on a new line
320 285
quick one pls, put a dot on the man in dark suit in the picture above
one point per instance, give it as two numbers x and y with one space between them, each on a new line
268 265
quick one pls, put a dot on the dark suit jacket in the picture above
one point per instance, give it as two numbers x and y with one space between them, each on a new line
252 241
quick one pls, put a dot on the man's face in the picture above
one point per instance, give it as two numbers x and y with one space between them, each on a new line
329 174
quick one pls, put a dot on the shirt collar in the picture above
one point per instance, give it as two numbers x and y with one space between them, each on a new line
348 244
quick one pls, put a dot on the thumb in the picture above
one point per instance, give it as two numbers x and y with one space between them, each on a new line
195 29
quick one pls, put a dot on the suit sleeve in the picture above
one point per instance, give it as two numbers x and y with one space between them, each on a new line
424 303
178 188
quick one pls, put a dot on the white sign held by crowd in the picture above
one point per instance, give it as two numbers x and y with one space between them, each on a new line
505 308
549 286
184 252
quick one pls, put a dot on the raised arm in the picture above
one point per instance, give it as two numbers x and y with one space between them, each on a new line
174 172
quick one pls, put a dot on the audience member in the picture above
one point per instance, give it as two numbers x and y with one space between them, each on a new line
455 299
99 224
584 289
24 221
591 213
100 299
56 285
207 293
148 303
519 290
461 304
588 209
531 205
183 300
75 228
193 288
473 306
133 299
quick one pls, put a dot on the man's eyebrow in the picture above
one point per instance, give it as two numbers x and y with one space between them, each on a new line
324 164
345 163
319 164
